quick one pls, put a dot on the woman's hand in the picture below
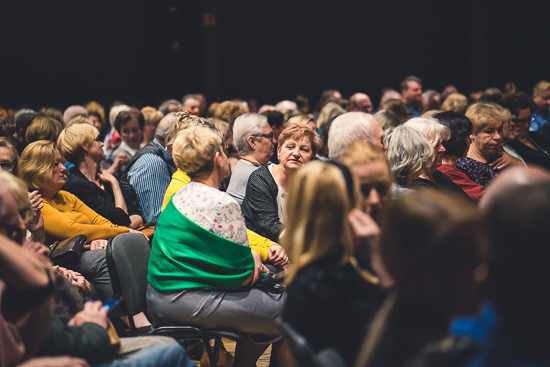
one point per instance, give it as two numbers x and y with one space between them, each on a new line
277 255
35 222
36 247
506 160
76 279
259 268
96 245
93 312
106 176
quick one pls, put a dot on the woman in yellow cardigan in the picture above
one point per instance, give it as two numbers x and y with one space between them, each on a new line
65 216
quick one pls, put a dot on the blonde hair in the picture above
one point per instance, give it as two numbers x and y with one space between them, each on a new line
37 163
182 120
540 86
94 106
4 142
151 115
77 120
483 114
362 152
455 102
43 128
72 138
300 120
194 150
18 189
317 208
297 132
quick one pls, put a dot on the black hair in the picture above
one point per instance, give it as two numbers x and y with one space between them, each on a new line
460 127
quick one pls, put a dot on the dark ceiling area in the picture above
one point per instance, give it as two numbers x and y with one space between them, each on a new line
145 51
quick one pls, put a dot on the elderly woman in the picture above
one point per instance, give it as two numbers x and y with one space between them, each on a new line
201 268
487 120
433 247
65 216
457 147
96 188
328 294
409 152
303 120
431 177
263 205
43 128
254 139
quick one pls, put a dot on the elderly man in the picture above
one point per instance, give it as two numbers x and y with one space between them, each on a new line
351 127
255 141
149 173
411 93
192 104
360 102
171 105
540 119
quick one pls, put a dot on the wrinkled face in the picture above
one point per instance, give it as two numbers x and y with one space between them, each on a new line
378 135
97 124
192 106
522 123
413 94
11 223
439 152
293 154
542 100
488 140
375 183
263 146
59 173
6 161
131 133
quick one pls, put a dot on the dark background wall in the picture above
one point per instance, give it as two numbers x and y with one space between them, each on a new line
144 51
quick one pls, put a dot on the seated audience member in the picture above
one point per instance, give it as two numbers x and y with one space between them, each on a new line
264 203
432 245
149 173
387 119
457 147
112 139
398 108
8 157
22 119
255 141
455 102
328 294
487 120
97 188
360 102
430 101
431 177
171 105
350 127
330 111
514 328
409 152
65 216
152 118
129 125
530 145
277 121
540 119
52 112
411 94
303 120
43 128
211 286
228 111
191 103
491 95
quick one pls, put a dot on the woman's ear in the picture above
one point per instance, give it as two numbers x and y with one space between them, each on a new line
218 159
251 142
85 147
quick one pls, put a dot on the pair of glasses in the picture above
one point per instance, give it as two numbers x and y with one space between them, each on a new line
269 136
7 165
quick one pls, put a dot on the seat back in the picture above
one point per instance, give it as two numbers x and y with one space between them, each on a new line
127 260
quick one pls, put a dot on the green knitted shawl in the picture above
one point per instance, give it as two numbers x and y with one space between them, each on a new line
186 256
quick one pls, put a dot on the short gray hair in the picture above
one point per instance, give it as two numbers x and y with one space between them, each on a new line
246 125
409 151
164 126
346 129
431 128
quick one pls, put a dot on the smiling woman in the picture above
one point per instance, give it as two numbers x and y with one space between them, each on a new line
263 205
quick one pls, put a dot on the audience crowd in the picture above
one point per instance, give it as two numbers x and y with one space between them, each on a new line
412 233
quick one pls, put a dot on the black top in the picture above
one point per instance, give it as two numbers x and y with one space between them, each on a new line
260 210
539 156
331 305
100 201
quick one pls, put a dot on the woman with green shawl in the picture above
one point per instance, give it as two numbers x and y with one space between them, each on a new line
201 269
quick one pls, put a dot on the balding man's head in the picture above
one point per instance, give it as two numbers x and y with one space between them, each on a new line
163 128
360 102
73 111
351 127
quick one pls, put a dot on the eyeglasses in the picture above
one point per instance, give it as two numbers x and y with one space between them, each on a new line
7 165
269 136
522 121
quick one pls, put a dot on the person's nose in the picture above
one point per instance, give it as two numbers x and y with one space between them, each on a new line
497 136
373 198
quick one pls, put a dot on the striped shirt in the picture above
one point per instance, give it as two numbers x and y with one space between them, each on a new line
150 177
